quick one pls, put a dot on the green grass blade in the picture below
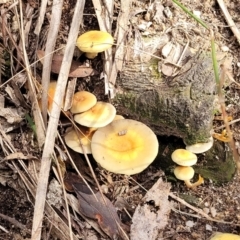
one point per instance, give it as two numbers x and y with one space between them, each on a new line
191 14
31 124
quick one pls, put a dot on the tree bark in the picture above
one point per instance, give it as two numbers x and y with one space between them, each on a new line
181 105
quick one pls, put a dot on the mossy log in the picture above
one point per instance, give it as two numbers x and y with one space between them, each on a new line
181 105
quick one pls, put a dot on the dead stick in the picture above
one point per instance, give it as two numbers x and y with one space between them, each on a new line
53 122
229 20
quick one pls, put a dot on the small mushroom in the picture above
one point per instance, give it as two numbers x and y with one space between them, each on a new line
100 115
200 147
124 146
83 101
186 174
93 42
79 140
225 236
184 157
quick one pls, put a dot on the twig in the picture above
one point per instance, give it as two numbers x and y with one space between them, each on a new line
225 117
122 29
230 123
51 40
14 222
105 16
197 210
53 122
229 20
41 17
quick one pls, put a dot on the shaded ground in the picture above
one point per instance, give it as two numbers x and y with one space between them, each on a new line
220 202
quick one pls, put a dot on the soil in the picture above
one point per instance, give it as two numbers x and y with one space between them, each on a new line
219 201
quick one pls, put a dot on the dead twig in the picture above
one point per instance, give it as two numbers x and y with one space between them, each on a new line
15 222
53 122
197 210
229 20
51 40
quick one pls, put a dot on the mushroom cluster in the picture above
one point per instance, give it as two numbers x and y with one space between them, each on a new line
185 159
119 145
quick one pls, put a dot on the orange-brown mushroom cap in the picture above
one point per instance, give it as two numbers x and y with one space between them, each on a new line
83 101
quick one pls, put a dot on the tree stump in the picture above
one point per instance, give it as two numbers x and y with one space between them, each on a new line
180 105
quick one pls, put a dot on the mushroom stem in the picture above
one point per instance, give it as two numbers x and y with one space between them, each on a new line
193 185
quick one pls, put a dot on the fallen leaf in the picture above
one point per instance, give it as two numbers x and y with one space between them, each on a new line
76 69
95 206
151 216
98 208
11 115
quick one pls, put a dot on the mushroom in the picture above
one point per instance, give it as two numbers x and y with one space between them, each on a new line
100 115
124 146
118 117
184 157
51 92
200 147
79 140
225 236
93 42
186 174
83 101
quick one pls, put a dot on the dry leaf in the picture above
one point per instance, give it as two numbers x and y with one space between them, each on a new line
76 69
11 115
151 216
168 67
94 206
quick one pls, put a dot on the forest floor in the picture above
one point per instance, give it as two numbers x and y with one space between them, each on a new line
221 202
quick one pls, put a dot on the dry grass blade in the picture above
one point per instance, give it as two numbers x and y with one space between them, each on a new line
41 17
36 112
51 40
105 24
53 122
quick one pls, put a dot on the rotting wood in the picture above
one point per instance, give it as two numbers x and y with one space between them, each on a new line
181 105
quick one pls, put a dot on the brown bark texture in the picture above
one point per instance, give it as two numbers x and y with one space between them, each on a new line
180 105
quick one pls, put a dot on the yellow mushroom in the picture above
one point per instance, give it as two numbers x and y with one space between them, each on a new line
124 146
93 42
186 174
100 115
83 101
225 236
183 157
79 141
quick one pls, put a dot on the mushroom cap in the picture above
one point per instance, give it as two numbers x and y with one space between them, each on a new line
124 146
118 117
184 157
200 147
225 236
72 139
82 101
100 115
183 173
94 41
